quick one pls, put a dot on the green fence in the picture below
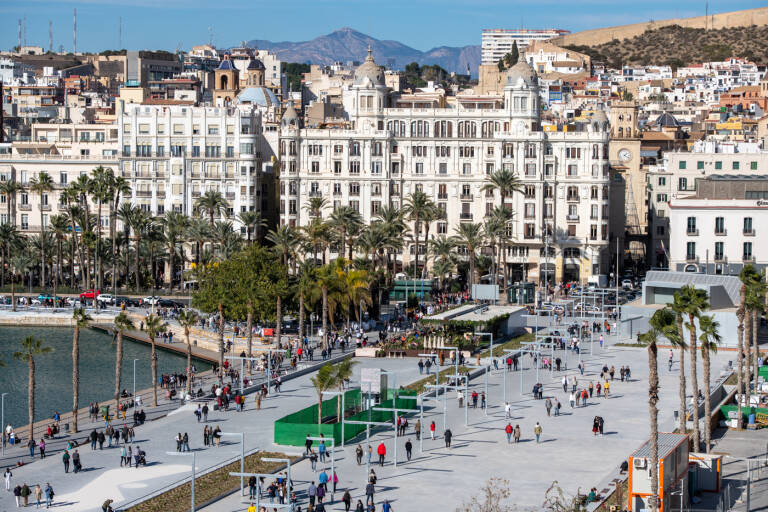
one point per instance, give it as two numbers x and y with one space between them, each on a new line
294 428
759 412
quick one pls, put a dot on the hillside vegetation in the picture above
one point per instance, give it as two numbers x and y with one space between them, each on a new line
679 46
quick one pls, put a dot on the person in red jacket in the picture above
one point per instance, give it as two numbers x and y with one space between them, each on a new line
432 430
382 451
508 429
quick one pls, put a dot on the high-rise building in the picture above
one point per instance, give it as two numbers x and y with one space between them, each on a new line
497 42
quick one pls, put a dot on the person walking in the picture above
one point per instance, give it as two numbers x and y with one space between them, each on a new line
558 405
382 451
308 445
432 430
548 405
448 435
48 495
312 494
595 426
537 430
509 430
76 462
572 399
17 495
65 460
591 388
313 460
507 411
607 389
25 492
417 429
359 454
38 494
31 445
600 424
185 442
205 413
7 478
252 481
321 451
370 490
408 448
565 383
347 500
516 433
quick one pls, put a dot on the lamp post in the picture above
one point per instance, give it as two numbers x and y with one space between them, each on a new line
333 455
242 455
444 387
343 408
187 454
134 382
395 412
2 420
367 438
287 462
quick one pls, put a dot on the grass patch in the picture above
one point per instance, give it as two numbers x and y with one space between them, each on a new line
616 499
732 380
632 345
208 486
418 386
498 350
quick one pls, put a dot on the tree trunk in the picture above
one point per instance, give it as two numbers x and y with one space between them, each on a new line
319 407
189 359
325 316
75 376
755 327
249 326
138 279
13 292
99 269
171 254
471 269
279 320
301 315
683 421
42 246
747 367
707 406
739 364
113 237
118 364
221 335
154 370
653 398
31 396
694 384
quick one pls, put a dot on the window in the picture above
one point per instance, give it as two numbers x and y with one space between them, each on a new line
594 193
700 165
354 167
246 148
337 189
719 225
549 210
62 178
530 210
442 168
395 167
376 189
336 167
213 129
376 167
442 191
466 168
718 165
24 221
338 149
682 164
747 251
662 181
594 211
489 168
572 193
735 166
315 167
530 170
529 191
691 229
719 246
530 231
442 228
660 230
753 166
748 226
573 170
572 230
690 251
549 169
354 188
508 150
593 232
419 168
661 198
355 149
682 184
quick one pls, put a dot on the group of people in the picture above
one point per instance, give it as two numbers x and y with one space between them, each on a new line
22 493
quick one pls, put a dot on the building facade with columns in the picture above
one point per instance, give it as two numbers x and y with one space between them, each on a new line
448 147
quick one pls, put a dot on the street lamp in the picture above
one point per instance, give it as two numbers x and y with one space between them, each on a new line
134 382
187 454
343 408
287 462
242 455
2 419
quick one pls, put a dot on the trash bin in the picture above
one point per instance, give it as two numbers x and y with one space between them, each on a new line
66 427
751 419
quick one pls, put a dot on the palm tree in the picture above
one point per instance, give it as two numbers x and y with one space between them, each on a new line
662 320
304 284
507 183
253 222
198 232
20 263
188 318
141 223
154 326
327 279
10 188
695 302
42 184
747 277
677 339
100 190
284 240
81 319
323 381
211 203
59 226
345 219
709 338
119 188
10 238
315 234
342 372
470 235
756 307
419 207
174 226
122 323
315 206
74 214
31 348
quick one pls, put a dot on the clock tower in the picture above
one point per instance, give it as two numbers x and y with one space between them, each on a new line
626 160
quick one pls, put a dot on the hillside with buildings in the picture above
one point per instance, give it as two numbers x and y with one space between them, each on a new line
681 46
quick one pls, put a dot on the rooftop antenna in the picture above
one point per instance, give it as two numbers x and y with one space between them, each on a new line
74 32
19 34
120 33
706 14
50 36
25 31
210 35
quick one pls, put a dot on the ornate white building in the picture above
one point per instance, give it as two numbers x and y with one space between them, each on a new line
447 147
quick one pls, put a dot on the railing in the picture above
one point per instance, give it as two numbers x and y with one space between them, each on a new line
690 258
692 232
143 193
467 197
573 218
45 207
749 232
573 198
195 193
25 207
722 232
749 258
442 196
465 216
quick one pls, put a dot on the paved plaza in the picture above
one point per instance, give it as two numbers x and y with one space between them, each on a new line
568 452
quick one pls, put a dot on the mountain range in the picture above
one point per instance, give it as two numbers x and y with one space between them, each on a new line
347 44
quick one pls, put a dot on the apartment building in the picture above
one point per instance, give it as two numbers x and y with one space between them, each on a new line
447 148
498 42
172 155
717 230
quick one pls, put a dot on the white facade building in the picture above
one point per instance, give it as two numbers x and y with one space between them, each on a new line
447 149
497 42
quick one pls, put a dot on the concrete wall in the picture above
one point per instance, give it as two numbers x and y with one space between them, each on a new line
748 17
635 319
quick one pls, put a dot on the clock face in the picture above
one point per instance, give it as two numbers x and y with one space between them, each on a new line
625 155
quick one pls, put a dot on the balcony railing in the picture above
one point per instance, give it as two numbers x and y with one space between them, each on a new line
143 193
45 207
442 196
749 232
195 193
315 193
25 207
691 258
465 216
748 258
573 198
572 218
721 232
692 232
467 197
719 257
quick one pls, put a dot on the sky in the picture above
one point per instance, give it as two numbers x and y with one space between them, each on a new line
421 24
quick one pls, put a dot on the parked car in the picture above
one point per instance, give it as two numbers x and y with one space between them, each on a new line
149 301
128 301
168 303
90 294
626 284
106 298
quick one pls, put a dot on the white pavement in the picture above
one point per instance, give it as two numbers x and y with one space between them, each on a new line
442 479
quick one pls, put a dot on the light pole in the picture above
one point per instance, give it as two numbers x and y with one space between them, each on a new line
444 387
187 454
367 438
242 455
396 411
333 455
134 382
2 419
287 462
491 336
343 408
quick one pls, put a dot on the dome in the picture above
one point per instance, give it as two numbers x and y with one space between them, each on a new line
227 64
290 117
521 71
369 70
255 64
258 96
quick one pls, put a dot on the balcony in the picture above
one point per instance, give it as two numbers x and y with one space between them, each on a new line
143 193
315 193
572 198
230 196
749 232
465 216
572 218
722 232
45 207
692 232
25 207
442 196
691 258
719 257
195 193
748 258
195 176
467 197
338 193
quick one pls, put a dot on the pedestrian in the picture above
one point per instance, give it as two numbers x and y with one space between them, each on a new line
198 413
252 481
48 495
595 426
65 460
335 480
600 424
448 435
31 445
612 371
382 451
565 384
313 460
417 429
185 443
432 430
178 442
369 456
591 388
572 399
408 448
516 433
7 478
558 405
312 494
321 451
597 389
17 495
347 500
369 492
308 445
606 389
205 413
76 462
359 454
123 453
507 410
537 430
25 492
386 507
509 430
548 405
482 400
38 494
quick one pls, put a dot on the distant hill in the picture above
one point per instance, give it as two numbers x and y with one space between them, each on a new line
681 46
347 44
